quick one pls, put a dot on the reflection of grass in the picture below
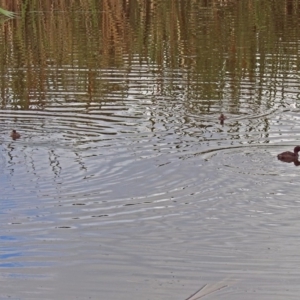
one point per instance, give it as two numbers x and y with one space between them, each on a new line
214 47
211 288
201 293
7 13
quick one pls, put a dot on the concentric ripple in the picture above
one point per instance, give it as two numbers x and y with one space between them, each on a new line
141 180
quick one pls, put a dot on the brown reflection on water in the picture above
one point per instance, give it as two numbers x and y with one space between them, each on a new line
125 168
215 49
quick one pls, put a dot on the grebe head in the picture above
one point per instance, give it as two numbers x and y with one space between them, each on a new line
297 149
222 117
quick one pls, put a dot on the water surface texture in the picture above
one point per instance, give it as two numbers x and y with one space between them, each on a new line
125 184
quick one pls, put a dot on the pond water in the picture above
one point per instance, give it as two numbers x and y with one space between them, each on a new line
124 183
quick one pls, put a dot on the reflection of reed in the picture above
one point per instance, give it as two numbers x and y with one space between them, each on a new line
25 161
223 42
208 289
54 163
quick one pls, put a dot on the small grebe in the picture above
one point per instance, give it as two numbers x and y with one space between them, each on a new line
288 155
15 135
222 117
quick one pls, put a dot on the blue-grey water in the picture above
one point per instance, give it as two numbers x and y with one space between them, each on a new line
124 184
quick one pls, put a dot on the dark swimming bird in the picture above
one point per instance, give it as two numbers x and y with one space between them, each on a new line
15 135
289 156
222 118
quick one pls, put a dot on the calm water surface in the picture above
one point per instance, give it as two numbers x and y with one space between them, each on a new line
124 184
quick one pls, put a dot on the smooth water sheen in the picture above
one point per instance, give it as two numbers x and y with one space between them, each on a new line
124 184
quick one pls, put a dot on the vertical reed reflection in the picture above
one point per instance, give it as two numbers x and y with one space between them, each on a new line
214 41
117 103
